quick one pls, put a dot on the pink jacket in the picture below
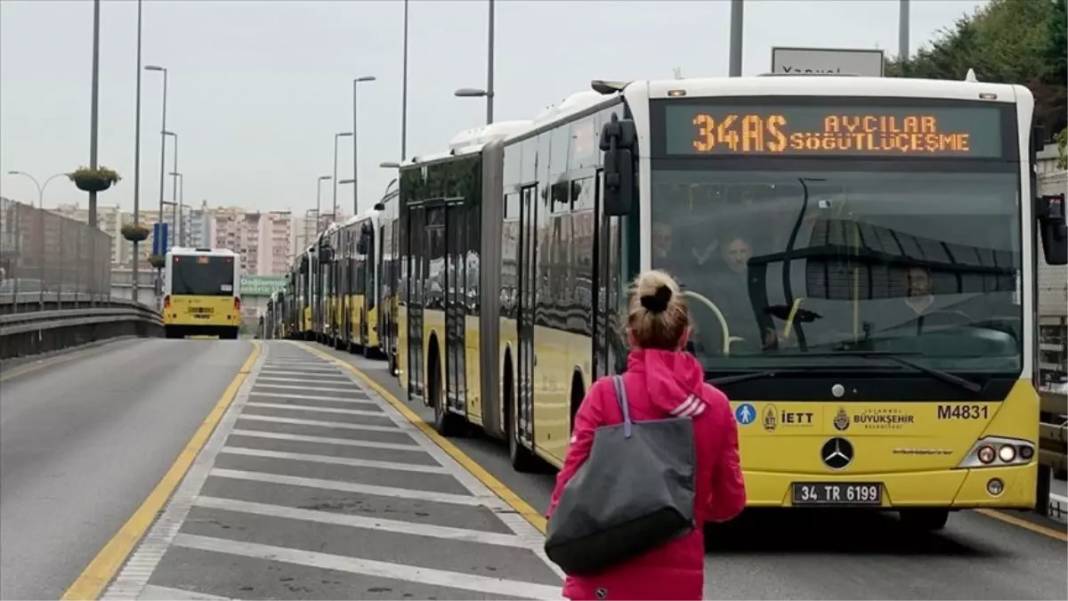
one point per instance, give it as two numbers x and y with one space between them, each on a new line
661 384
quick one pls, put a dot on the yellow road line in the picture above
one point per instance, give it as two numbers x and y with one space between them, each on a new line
90 584
506 494
1060 535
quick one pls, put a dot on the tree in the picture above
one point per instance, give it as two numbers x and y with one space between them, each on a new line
1006 41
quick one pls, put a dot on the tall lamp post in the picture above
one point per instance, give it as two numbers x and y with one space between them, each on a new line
488 92
333 211
93 107
174 191
318 200
180 235
137 158
162 167
355 130
404 88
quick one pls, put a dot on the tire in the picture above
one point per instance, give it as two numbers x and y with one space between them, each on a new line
365 338
521 458
172 332
924 520
447 424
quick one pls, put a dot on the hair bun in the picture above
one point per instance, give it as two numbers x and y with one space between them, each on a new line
658 301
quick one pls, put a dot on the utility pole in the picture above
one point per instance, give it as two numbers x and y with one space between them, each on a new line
489 70
736 38
404 89
903 33
96 94
137 156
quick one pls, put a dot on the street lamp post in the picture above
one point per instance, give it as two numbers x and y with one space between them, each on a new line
488 92
162 164
318 199
137 158
180 235
333 211
93 106
355 130
174 191
404 88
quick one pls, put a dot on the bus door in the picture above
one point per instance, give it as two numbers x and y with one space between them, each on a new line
528 232
370 282
455 313
417 275
607 288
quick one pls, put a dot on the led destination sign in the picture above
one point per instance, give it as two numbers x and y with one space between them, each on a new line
973 132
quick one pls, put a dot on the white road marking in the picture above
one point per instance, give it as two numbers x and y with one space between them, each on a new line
367 567
385 465
316 408
322 388
317 422
348 442
263 378
360 521
331 375
340 485
153 592
360 400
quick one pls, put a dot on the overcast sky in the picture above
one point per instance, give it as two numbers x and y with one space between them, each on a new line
257 89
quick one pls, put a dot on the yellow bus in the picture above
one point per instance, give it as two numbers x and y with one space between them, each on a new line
858 254
201 293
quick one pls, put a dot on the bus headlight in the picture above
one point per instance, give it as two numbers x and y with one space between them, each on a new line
986 454
1007 453
996 451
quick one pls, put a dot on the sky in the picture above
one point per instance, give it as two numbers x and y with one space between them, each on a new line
257 89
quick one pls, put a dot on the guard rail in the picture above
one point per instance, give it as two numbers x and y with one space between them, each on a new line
26 332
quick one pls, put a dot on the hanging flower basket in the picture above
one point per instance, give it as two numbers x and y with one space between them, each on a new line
156 261
134 232
93 180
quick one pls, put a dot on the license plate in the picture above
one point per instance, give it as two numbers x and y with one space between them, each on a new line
838 493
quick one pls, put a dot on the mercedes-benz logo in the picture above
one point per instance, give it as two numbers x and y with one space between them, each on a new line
837 453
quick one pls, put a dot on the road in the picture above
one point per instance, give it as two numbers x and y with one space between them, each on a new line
316 485
84 437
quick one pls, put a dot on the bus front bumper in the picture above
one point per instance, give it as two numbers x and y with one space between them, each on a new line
953 488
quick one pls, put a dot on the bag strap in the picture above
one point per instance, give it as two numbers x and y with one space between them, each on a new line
621 397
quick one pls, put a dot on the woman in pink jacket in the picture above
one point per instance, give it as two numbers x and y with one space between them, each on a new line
661 381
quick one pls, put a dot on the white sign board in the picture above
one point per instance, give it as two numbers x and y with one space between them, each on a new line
827 61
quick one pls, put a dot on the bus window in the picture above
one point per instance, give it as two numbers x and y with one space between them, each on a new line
202 276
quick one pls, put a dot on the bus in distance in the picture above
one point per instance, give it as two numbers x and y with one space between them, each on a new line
201 293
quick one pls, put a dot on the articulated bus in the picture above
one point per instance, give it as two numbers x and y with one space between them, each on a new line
858 255
201 293
342 288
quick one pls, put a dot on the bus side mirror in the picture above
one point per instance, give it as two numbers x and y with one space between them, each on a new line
1051 223
618 139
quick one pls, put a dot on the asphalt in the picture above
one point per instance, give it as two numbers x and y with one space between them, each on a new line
84 438
820 554
313 486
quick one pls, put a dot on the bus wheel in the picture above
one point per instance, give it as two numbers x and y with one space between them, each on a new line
446 423
521 458
926 519
171 332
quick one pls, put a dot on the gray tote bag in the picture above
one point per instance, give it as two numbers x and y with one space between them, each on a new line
634 493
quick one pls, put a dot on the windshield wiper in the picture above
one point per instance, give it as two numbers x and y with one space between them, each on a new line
753 375
899 358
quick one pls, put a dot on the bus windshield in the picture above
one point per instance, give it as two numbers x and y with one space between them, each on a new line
786 268
202 275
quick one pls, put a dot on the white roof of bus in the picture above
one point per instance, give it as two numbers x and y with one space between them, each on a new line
801 85
212 252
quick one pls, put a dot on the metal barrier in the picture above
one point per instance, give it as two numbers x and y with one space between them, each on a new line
1052 439
24 333
48 256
